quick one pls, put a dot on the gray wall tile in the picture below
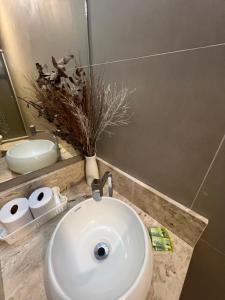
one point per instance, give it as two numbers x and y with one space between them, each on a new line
211 202
205 279
179 110
123 29
178 119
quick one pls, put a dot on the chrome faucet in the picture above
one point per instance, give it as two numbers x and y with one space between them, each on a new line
98 185
34 131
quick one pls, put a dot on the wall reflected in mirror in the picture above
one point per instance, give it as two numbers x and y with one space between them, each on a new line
33 31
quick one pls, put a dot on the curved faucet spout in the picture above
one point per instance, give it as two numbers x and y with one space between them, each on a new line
97 186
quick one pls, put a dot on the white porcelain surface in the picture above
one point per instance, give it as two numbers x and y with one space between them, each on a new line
31 155
73 272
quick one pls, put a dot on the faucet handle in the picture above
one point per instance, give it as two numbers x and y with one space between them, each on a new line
56 132
33 130
98 185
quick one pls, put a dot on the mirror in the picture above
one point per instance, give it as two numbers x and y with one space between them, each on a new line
35 33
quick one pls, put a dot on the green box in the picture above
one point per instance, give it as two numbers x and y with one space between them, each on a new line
160 239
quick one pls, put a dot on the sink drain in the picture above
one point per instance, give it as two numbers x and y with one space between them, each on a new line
101 251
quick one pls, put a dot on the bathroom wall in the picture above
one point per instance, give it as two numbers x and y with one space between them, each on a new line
33 31
206 276
173 54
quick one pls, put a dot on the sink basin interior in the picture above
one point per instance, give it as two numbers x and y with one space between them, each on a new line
77 273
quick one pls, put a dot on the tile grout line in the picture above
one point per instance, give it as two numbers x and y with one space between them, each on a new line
207 172
158 54
212 247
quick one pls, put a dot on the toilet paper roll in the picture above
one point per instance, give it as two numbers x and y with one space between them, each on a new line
15 213
41 201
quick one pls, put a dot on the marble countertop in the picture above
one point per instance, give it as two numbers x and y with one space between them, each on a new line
22 263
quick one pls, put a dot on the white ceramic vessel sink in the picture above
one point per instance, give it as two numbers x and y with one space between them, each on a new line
100 250
31 155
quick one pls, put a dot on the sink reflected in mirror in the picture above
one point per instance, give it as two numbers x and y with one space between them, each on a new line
31 155
7 170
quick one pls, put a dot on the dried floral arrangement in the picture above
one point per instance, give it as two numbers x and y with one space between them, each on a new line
80 111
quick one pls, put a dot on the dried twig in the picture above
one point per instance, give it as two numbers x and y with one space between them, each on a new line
80 112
